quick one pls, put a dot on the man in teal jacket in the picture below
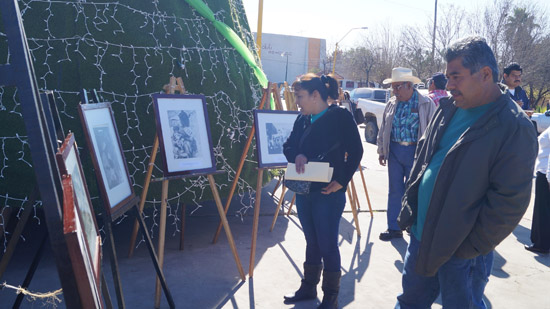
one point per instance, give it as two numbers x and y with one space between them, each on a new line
469 186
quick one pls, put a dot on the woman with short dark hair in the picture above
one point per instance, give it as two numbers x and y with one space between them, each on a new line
325 133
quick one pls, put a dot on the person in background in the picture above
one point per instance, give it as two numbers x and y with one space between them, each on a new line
540 226
470 184
436 86
405 119
512 79
329 132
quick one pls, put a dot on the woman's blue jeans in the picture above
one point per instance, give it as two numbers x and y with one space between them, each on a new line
320 216
460 281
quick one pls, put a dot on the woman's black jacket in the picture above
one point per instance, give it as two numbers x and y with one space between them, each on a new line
335 126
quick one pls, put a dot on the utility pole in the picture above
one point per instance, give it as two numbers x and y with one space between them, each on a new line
259 32
433 38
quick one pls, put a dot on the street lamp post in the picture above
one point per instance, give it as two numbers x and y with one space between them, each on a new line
286 69
336 49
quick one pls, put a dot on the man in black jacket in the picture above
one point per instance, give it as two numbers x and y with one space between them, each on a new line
512 78
469 186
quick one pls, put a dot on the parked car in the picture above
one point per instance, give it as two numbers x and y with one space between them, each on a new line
541 121
374 112
375 94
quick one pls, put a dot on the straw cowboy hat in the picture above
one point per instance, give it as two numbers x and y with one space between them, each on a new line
402 75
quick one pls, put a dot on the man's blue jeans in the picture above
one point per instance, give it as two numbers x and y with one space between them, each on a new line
400 162
320 216
460 281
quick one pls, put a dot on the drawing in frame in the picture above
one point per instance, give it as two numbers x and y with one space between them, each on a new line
183 129
272 130
79 224
107 157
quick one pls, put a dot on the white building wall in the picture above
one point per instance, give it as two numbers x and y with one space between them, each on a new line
275 47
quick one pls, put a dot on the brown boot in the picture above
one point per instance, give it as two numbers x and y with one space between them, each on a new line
331 287
308 288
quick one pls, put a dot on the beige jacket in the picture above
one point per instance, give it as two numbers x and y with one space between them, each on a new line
426 109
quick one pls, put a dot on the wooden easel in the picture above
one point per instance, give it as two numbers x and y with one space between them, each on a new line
265 97
176 84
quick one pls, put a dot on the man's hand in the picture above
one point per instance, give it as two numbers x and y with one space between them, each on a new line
333 186
300 162
382 160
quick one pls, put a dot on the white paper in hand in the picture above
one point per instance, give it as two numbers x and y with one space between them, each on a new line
314 171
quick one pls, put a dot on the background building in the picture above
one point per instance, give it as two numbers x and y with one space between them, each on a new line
284 57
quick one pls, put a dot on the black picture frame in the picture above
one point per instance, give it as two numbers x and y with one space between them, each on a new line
108 159
183 129
272 129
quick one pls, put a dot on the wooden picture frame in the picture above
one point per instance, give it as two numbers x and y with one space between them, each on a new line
183 129
107 157
79 225
272 130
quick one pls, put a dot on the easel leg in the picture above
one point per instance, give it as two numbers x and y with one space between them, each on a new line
228 233
162 235
291 204
105 292
182 228
354 208
350 197
281 199
149 245
241 163
365 187
32 270
144 193
355 197
235 181
10 249
276 186
255 223
114 261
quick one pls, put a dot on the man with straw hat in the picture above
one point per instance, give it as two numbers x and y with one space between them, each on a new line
405 118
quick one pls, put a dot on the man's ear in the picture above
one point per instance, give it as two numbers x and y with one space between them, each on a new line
487 73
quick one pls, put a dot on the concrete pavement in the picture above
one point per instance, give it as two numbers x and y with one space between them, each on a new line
204 275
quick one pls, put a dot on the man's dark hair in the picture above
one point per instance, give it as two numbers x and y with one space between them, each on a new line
439 80
514 66
475 54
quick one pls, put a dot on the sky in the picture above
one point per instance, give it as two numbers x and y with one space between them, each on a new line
331 20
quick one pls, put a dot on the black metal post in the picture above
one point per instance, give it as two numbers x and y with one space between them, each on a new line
151 249
114 261
42 151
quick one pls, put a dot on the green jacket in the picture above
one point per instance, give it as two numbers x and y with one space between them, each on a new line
483 187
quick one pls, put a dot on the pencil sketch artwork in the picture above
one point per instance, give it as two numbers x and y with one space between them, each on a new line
107 147
277 134
183 127
84 207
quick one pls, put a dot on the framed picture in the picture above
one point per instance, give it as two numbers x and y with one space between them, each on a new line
85 268
272 130
79 224
184 134
107 157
